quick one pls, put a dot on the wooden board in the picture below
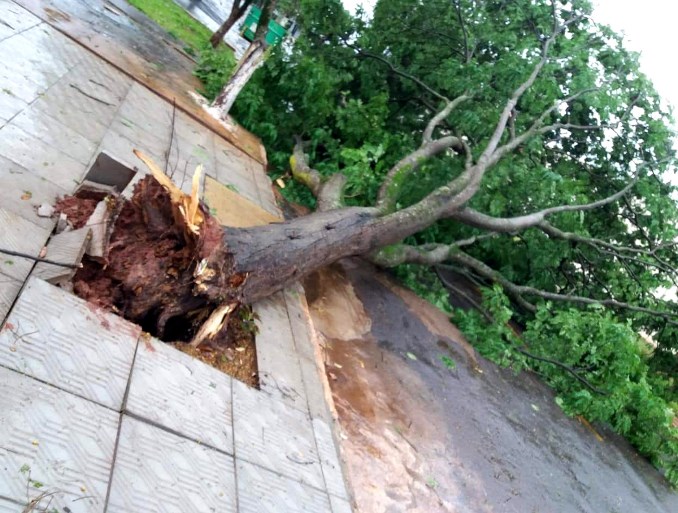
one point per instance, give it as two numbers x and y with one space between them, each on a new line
231 209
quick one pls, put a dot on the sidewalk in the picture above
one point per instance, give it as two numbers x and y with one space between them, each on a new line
93 414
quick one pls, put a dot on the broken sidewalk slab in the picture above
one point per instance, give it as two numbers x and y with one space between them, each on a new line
156 470
52 441
62 340
231 209
180 393
66 248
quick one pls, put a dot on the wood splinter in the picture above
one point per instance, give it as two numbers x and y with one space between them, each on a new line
217 319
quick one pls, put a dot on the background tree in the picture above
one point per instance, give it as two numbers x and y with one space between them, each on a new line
238 9
248 64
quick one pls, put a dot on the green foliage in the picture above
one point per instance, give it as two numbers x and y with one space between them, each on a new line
608 354
214 68
360 118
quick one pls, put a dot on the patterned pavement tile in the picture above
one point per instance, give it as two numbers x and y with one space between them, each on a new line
16 17
65 443
334 478
176 391
65 247
156 471
10 104
56 134
9 290
271 434
17 183
56 337
263 491
39 158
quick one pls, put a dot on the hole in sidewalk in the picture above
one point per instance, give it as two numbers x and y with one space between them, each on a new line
140 244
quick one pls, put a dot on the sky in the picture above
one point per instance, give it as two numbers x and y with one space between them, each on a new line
650 29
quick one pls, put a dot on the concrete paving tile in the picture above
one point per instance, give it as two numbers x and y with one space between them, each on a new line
192 132
329 459
340 505
35 55
16 17
56 134
9 290
271 434
15 182
156 471
58 338
7 506
10 104
48 43
22 236
183 394
84 123
65 441
13 81
277 360
40 158
6 32
185 156
122 149
158 140
263 491
146 109
103 77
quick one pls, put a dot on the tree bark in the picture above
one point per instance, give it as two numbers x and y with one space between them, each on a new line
251 61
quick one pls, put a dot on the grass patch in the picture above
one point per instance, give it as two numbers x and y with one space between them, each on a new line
176 21
214 66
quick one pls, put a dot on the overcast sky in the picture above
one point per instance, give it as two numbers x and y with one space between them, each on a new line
650 28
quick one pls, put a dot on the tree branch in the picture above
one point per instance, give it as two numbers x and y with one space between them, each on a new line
301 171
438 118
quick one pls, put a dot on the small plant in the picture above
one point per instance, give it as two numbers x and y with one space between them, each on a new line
248 320
448 362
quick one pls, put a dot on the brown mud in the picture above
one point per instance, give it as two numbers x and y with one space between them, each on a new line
418 436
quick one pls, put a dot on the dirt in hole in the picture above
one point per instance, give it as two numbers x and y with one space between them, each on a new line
145 245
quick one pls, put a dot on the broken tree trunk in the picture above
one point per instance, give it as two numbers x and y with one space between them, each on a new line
169 261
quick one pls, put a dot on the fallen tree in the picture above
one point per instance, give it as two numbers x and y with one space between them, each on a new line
223 265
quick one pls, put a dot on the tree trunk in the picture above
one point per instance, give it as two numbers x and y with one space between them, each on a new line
251 61
157 273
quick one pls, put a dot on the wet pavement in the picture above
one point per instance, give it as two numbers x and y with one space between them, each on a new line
418 436
137 47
